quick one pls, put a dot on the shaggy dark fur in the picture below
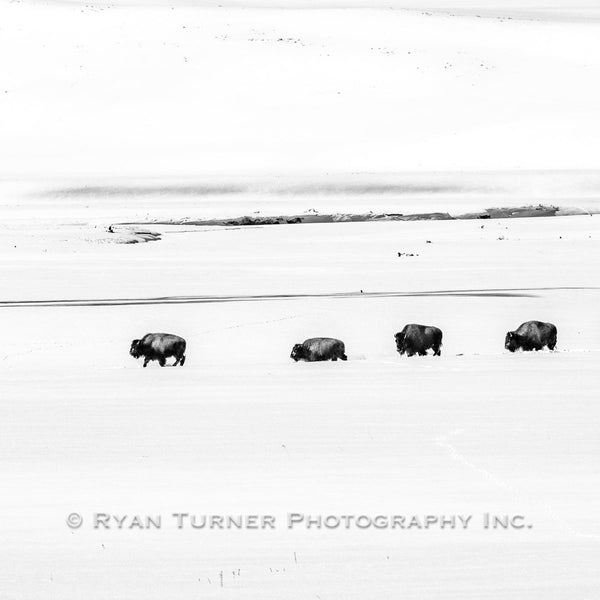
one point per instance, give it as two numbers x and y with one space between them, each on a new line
532 335
317 349
417 339
159 346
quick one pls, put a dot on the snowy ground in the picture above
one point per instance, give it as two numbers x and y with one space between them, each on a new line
176 90
241 429
141 112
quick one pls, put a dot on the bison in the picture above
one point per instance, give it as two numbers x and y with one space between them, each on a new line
159 346
417 339
532 335
317 349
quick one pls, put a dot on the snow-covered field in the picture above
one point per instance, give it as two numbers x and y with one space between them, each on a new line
93 88
241 429
117 114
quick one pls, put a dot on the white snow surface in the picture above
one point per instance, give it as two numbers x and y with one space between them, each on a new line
176 89
131 113
241 429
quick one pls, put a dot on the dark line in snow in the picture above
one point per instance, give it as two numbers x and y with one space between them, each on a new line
492 292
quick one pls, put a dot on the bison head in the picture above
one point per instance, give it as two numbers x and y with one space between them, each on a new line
400 342
297 352
135 349
512 341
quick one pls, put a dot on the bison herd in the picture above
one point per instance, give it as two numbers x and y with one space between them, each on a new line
413 339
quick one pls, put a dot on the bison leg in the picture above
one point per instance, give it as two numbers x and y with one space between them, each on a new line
146 361
437 351
162 362
334 357
182 360
344 357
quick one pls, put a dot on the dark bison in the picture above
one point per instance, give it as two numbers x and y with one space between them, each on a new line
315 349
159 346
417 339
532 335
